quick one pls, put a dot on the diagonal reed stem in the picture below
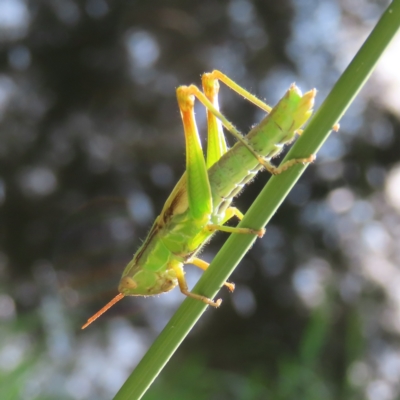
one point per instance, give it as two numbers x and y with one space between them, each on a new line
266 204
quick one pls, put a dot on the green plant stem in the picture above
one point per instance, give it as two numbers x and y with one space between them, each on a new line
266 204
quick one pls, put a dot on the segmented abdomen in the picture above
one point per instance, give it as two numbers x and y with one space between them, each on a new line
239 166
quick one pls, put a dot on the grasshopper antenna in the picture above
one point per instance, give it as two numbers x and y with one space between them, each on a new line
117 298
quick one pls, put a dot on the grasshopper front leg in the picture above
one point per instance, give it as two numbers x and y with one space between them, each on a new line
180 275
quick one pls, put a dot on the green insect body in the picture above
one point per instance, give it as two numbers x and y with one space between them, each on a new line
200 203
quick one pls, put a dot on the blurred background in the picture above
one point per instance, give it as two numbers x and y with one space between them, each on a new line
91 144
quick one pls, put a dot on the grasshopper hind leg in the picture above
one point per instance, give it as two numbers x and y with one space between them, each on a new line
210 101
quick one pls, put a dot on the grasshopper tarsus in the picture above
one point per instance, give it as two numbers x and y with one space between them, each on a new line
216 304
260 232
230 286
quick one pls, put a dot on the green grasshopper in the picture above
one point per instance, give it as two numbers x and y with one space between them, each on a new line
200 203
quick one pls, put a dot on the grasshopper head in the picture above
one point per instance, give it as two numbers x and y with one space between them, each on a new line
141 283
147 283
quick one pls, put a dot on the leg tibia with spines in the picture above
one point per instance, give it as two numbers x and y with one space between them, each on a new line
286 165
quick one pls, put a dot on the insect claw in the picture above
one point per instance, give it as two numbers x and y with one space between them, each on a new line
217 303
310 159
261 232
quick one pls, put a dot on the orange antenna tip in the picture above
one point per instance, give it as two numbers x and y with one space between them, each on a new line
117 298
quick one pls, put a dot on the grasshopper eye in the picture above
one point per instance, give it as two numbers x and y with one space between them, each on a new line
127 283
